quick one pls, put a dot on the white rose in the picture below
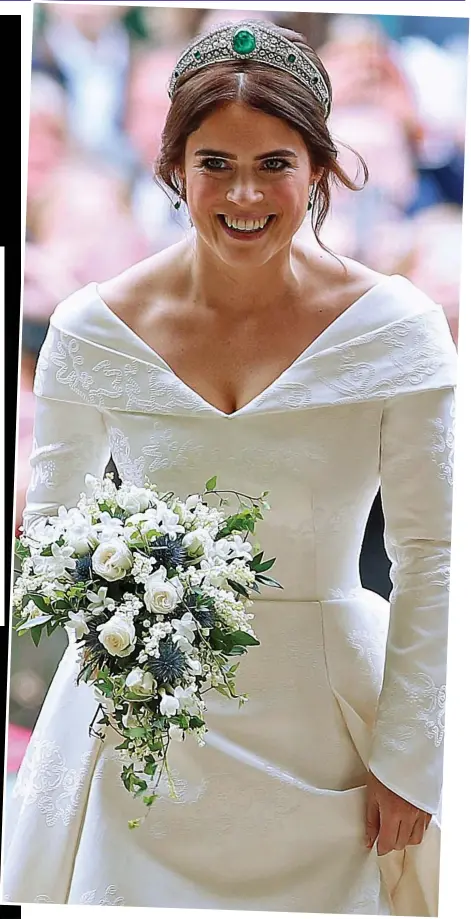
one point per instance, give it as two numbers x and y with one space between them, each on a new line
112 559
132 499
140 681
118 636
196 542
161 595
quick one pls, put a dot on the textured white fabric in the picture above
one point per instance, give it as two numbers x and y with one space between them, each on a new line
271 813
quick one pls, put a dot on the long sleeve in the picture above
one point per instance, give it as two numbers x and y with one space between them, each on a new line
70 440
416 484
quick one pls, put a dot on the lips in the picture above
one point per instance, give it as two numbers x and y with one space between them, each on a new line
246 228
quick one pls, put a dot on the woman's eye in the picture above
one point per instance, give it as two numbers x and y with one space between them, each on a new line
213 164
275 164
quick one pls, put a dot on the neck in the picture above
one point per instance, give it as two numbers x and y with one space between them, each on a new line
241 290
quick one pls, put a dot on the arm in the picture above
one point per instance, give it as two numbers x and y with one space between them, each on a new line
416 485
70 440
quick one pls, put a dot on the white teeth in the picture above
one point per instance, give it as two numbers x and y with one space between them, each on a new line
245 225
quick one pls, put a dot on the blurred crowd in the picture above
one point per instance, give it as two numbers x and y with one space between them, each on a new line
98 104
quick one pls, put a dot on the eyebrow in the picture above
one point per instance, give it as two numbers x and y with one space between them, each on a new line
205 151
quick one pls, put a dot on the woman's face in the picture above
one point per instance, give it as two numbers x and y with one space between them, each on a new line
247 178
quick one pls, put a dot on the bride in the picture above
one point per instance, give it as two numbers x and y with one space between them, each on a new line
244 352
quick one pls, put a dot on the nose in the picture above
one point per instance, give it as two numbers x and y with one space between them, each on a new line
244 192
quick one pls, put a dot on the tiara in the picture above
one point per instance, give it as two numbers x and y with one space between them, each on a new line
253 41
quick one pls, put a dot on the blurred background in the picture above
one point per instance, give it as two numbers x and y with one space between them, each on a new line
98 104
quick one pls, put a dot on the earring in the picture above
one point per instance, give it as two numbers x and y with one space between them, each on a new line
312 195
178 203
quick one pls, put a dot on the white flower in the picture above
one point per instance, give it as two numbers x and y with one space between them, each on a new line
78 623
31 611
112 559
142 568
176 733
140 681
192 501
194 665
234 547
55 565
133 499
161 595
170 524
108 527
169 705
118 636
197 542
100 489
187 699
99 602
184 632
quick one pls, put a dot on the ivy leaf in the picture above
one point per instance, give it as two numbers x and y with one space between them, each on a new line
211 483
148 800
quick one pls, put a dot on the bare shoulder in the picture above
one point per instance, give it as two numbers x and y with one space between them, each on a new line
145 284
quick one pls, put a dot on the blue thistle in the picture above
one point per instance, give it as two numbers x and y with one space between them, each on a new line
83 568
170 666
168 552
201 608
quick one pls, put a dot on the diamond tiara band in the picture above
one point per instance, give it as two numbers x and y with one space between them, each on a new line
256 42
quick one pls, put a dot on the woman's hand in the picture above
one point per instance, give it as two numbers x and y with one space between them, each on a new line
390 820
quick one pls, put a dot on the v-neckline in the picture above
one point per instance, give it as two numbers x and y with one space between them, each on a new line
248 405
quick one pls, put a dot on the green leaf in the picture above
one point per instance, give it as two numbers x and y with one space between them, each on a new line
263 566
21 550
150 768
211 483
244 638
237 649
238 588
196 722
36 622
136 732
41 603
36 635
134 824
148 800
269 582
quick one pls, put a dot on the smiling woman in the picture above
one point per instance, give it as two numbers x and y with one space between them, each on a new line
278 365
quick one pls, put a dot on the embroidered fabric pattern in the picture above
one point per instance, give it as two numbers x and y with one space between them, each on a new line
46 781
408 702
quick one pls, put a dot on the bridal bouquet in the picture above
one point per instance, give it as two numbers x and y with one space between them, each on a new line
157 591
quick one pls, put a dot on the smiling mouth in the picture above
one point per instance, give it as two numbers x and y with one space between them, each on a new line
245 228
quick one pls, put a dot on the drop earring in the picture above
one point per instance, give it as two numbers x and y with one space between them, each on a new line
311 198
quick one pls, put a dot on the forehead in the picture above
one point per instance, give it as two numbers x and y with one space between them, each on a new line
246 128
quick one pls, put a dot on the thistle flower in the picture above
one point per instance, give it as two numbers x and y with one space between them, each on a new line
170 666
167 552
83 568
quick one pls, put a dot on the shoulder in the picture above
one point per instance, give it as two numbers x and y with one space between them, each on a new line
145 284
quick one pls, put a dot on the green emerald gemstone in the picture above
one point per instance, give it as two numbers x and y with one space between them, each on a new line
198 55
291 58
244 41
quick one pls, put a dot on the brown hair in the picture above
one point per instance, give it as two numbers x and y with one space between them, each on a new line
274 92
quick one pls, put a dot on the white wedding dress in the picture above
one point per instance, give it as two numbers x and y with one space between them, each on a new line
270 814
